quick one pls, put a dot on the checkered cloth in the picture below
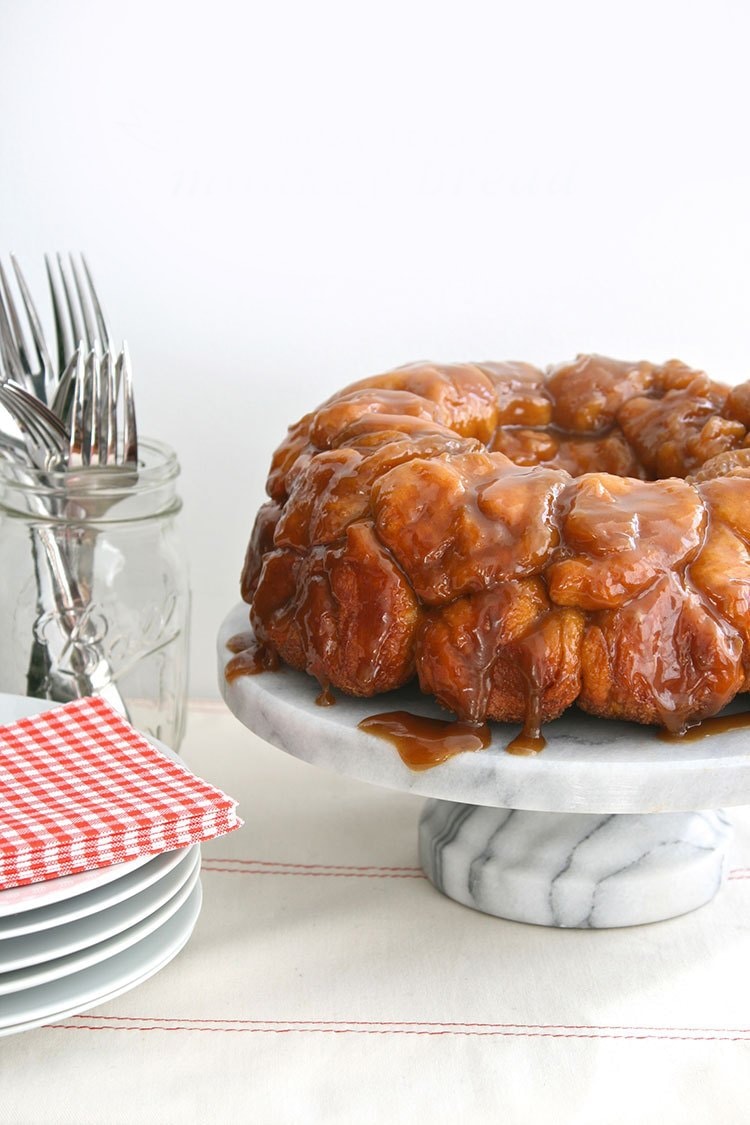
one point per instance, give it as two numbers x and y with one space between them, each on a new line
79 788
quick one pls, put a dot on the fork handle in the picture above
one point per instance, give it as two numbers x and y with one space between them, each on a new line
58 668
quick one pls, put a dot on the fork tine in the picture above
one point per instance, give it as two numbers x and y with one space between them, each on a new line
109 411
15 323
25 417
18 414
92 335
66 342
14 342
76 323
39 409
129 428
90 442
76 427
99 411
37 422
47 376
13 368
66 386
102 323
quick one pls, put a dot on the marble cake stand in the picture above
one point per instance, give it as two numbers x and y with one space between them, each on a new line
596 831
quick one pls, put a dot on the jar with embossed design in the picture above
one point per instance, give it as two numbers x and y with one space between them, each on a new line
94 589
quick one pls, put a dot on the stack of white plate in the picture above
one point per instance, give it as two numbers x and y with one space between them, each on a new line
71 943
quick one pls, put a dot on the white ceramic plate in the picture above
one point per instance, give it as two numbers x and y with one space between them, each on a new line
111 978
55 1017
35 895
80 906
34 976
60 941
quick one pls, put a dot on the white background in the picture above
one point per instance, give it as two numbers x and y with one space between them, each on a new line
278 198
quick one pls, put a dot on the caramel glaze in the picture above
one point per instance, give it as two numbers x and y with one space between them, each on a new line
525 745
424 743
520 540
252 657
241 642
719 724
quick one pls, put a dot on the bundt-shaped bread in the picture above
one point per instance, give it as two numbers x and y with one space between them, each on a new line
519 540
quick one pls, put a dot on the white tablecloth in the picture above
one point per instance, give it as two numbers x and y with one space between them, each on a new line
328 981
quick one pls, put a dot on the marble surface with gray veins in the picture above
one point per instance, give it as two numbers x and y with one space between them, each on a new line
589 766
573 869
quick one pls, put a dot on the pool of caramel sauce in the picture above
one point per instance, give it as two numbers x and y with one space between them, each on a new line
526 744
423 742
720 724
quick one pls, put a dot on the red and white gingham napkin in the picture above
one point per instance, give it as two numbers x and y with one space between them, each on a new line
79 788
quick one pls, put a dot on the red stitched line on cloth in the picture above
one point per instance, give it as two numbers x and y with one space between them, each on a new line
402 1031
329 872
740 1031
318 868
309 866
321 874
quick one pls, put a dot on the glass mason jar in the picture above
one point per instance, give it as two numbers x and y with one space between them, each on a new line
94 597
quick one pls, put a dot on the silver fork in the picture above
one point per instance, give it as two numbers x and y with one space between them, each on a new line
47 440
78 329
66 664
77 309
103 431
39 375
59 673
94 394
98 399
72 665
102 436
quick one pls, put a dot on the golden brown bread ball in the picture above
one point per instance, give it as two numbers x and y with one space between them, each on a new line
344 613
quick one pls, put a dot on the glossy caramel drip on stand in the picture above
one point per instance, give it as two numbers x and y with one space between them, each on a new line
424 743
530 740
526 744
326 697
720 724
251 657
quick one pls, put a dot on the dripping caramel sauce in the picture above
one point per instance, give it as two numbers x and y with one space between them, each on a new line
526 744
719 724
326 697
251 657
240 642
424 743
531 652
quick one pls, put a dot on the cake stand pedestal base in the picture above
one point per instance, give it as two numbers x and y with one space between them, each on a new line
580 870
